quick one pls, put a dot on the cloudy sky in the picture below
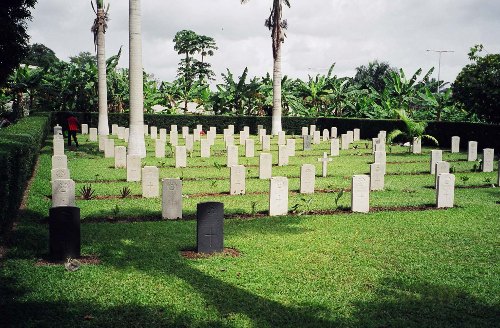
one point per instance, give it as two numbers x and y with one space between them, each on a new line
349 33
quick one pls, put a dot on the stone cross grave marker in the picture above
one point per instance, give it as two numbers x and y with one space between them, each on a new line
265 166
150 182
249 148
93 134
180 156
488 155
237 180
109 148
120 157
63 193
210 228
232 155
205 148
436 156
159 148
441 167
307 179
455 144
472 151
377 178
171 199
59 162
334 147
360 194
133 168
278 196
306 142
282 155
325 159
445 192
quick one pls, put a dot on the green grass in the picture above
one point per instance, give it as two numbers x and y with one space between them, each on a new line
434 268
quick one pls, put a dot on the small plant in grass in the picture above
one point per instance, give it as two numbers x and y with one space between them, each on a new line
87 192
217 166
487 181
302 207
213 183
337 198
253 209
464 179
452 169
190 154
125 192
367 145
170 150
115 211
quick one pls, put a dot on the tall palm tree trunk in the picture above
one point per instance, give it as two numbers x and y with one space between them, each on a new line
276 119
136 144
103 126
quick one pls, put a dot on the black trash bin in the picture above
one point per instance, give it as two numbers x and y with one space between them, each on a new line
64 233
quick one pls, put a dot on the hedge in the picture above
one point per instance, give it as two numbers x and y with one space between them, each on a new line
19 148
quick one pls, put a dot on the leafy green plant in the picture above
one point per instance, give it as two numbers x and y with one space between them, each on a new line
338 197
464 179
413 130
302 207
217 166
125 192
253 209
87 192
115 211
213 183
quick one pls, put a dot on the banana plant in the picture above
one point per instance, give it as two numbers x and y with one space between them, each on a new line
413 130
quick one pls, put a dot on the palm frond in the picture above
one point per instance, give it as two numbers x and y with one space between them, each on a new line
394 134
431 138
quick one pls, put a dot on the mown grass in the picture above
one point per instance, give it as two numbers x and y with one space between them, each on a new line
433 268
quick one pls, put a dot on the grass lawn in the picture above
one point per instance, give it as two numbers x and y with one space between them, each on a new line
388 268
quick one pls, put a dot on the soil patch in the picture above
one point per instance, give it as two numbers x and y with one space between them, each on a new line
227 252
88 260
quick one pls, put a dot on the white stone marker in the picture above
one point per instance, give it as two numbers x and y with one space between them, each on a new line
281 138
357 134
63 193
266 143
278 196
237 182
120 157
174 137
58 137
189 143
375 142
249 148
230 127
290 144
334 147
360 194
229 140
114 129
436 156
121 132
247 130
159 148
150 182
345 141
127 134
380 146
211 136
180 156
316 138
455 144
445 192
146 129
488 155
154 132
199 127
380 157
205 148
333 132
85 129
262 132
324 164
350 136
58 145
312 129
265 166
109 148
163 135
305 131
102 142
417 146
93 134
173 127
185 131
307 179
326 135
382 135
472 151
59 162
282 155
133 168
58 130
232 155
441 167
196 134
377 176
59 174
171 199
243 137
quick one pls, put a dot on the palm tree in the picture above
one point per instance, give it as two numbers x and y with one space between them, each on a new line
99 29
136 144
413 130
277 26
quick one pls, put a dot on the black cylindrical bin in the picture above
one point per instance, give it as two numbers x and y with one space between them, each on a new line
210 227
64 232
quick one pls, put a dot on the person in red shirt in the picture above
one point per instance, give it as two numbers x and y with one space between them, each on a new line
72 129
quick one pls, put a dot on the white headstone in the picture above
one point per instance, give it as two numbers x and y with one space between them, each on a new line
382 135
85 129
417 146
380 157
360 194
307 179
247 130
63 193
174 137
445 192
306 143
278 196
262 133
185 131
211 136
334 147
357 134
159 148
305 131
114 129
189 143
171 199
290 144
232 155
324 164
377 178
229 140
121 132
436 156
59 174
180 156
196 134
102 142
205 148
333 132
281 138
265 166
173 127
317 137
150 182
455 144
380 146
266 143
312 129
59 162
441 167
231 128
109 148
243 137
326 135
249 148
133 168
58 130
350 136
146 129
154 132
488 155
199 127
120 157
345 141
282 155
93 134
127 134
58 145
163 135
237 182
472 151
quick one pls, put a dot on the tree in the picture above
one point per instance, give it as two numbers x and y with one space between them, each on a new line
372 76
99 29
14 37
276 25
413 130
136 144
477 86
41 56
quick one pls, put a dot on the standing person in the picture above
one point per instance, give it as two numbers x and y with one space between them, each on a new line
72 129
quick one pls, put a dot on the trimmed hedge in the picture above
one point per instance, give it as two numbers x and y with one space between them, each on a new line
19 148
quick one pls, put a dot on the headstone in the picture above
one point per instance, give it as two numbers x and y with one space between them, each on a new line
417 146
146 129
278 196
350 136
185 131
210 228
380 157
307 179
205 148
445 192
262 133
173 127
174 137
171 199
102 142
58 145
63 193
150 182
133 168
265 166
120 157
317 138
159 148
472 151
382 135
189 143
127 134
114 129
306 142
58 130
436 156
232 155
196 134
326 135
290 144
109 148
282 155
229 140
154 132
249 148
375 142
377 176
360 194
163 135
243 137
488 155
312 129
281 138
324 164
334 147
211 136
357 134
64 233
231 128
345 141
305 131
441 167
333 132
59 174
121 132
266 143
59 162
213 130
93 134
247 130
85 129
180 156
199 127
237 180
455 144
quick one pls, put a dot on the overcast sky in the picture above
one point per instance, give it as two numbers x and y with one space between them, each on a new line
349 33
